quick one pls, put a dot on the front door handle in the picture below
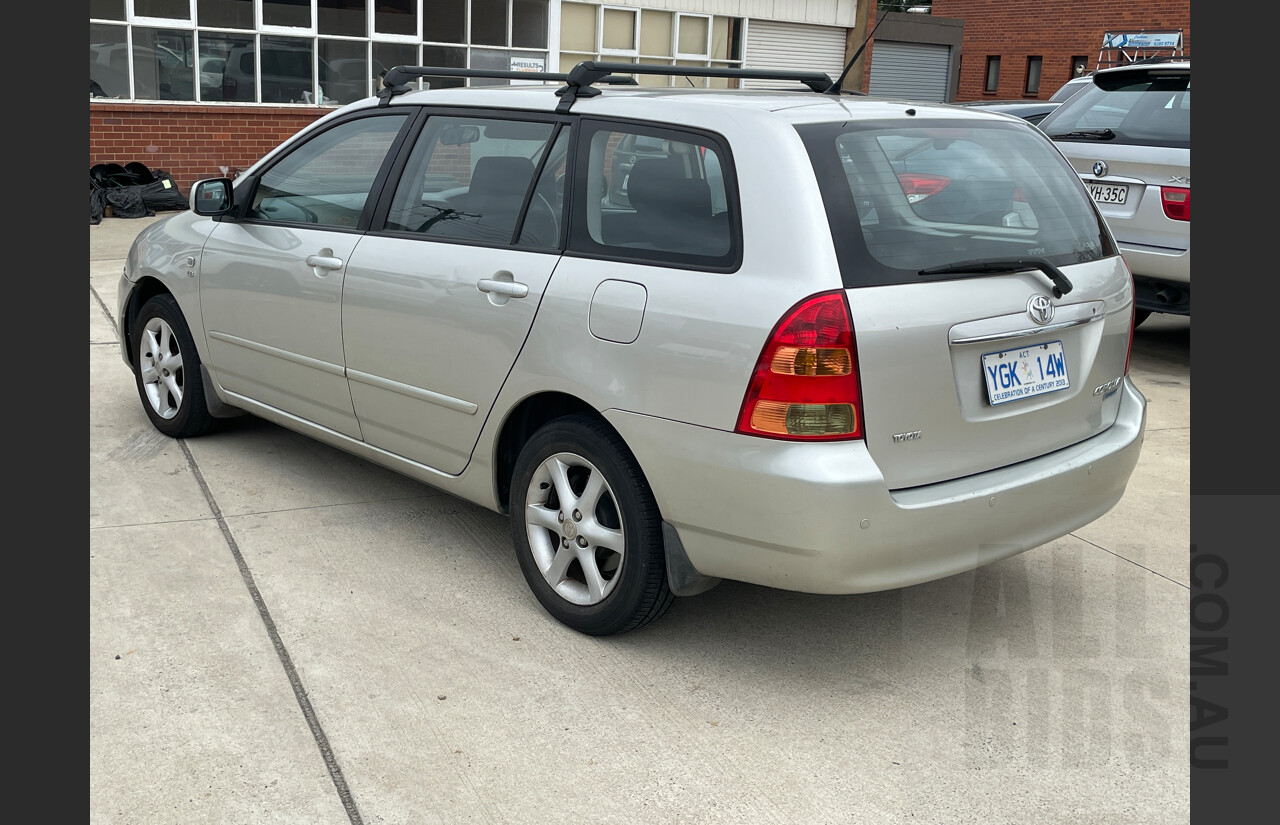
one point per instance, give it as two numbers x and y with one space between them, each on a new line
507 288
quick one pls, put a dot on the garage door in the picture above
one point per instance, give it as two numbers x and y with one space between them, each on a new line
792 46
911 70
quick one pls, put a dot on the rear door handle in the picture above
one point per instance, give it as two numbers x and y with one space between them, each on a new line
324 262
507 288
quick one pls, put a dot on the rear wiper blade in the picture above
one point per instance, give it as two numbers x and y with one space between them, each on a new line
1087 134
1061 284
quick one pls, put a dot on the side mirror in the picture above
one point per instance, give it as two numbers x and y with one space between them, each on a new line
211 196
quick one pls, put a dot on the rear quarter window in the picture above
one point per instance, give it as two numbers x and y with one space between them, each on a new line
900 200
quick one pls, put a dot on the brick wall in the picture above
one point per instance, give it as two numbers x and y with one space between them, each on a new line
1056 31
190 142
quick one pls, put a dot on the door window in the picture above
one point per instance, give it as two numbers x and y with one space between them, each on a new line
469 179
326 181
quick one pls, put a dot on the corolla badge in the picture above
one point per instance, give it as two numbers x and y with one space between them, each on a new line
1100 168
1040 308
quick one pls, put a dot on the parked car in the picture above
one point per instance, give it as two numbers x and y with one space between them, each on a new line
1128 135
1072 87
795 356
1032 111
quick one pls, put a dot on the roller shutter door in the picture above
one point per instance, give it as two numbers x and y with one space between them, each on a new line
910 70
792 46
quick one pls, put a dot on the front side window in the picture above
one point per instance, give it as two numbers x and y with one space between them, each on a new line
900 200
326 181
655 195
470 178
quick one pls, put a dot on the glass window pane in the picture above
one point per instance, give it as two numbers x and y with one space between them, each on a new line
106 9
489 22
172 9
445 22
529 24
389 55
578 27
448 57
467 178
225 14
655 32
295 13
721 39
664 197
226 67
344 71
326 181
619 30
108 61
162 67
348 18
693 34
396 17
287 70
993 74
1033 75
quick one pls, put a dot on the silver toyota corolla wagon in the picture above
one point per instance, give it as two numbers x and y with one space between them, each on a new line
802 338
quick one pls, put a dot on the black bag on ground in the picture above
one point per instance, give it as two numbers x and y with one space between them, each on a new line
127 202
163 193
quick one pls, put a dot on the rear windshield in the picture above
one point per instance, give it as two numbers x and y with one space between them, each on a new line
1140 108
900 200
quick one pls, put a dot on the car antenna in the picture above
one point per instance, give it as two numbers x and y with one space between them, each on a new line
835 87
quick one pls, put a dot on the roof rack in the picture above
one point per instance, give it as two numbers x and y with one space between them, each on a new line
396 79
580 80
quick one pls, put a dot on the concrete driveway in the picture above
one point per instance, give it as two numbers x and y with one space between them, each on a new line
281 633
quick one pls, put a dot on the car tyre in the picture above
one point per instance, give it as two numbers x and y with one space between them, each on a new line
166 367
586 529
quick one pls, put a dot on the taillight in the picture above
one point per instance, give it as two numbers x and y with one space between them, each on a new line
805 384
917 185
1176 202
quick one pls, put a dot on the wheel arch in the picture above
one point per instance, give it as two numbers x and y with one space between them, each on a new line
521 423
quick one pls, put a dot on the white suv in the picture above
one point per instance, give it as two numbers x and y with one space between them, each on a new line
1128 134
825 342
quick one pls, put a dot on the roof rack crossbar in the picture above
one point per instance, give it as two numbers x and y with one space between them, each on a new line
395 82
591 71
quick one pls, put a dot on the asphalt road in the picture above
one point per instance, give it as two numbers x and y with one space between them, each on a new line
281 633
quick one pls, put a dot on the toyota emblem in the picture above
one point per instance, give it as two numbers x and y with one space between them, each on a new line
1040 308
1100 168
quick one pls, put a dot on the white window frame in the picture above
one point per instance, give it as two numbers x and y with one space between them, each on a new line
634 51
705 54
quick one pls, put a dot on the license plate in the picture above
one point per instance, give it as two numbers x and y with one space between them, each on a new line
1108 192
1024 372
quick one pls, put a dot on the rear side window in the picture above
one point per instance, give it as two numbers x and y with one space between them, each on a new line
655 195
470 178
1141 108
900 200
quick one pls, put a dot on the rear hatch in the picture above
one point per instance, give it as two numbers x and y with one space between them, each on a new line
991 309
1128 135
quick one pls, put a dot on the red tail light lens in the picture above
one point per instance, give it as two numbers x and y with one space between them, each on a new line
805 385
1176 202
917 185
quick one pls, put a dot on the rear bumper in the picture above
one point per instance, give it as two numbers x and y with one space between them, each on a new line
1163 277
818 518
